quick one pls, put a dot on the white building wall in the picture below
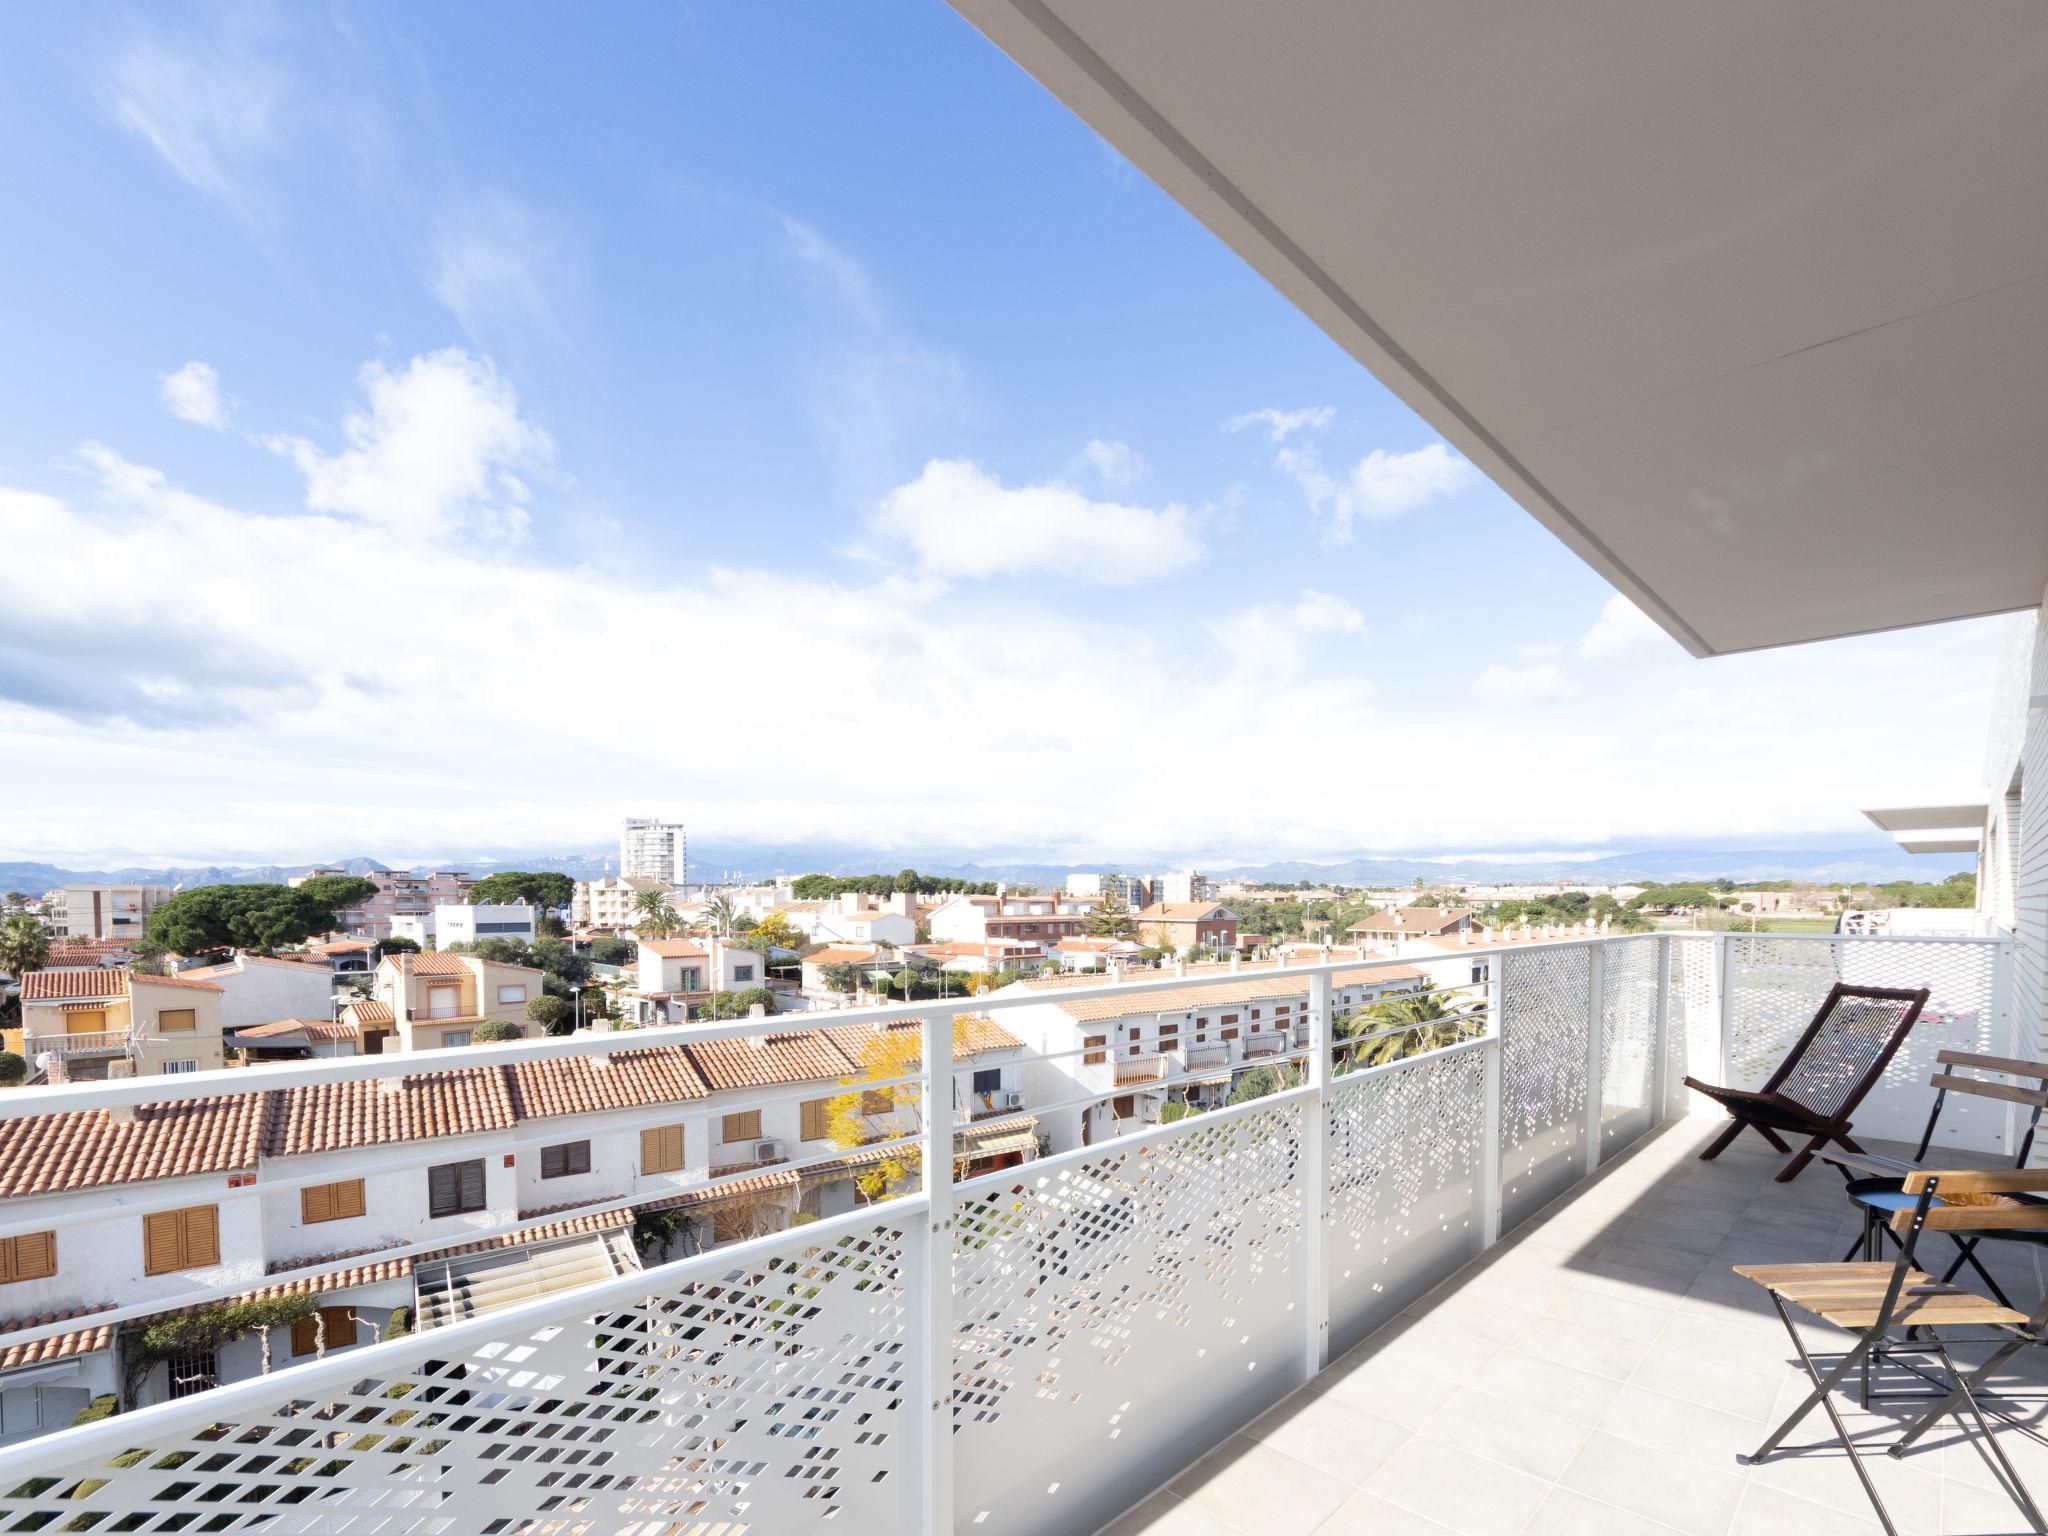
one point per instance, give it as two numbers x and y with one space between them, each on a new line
260 993
99 1245
394 1196
2013 888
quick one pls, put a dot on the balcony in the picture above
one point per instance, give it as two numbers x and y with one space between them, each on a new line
1141 1069
109 1043
1481 1288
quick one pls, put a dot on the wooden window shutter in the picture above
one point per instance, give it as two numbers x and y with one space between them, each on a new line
202 1235
349 1199
163 1242
815 1118
316 1203
35 1256
661 1149
304 1336
877 1101
473 1186
744 1126
341 1326
443 1186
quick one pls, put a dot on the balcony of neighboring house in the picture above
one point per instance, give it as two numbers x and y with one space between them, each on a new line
1477 1288
80 1043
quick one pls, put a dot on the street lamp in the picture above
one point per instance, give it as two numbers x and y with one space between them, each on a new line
576 994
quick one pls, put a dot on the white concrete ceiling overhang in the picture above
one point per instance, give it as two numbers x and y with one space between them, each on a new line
1746 301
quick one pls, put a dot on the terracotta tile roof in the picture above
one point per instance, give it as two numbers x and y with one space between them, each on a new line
340 947
1009 1125
369 1010
575 1085
780 1058
431 962
1413 920
138 979
841 954
60 1346
84 952
327 1117
1001 950
760 1184
312 1029
675 949
80 981
373 1272
608 1221
44 1154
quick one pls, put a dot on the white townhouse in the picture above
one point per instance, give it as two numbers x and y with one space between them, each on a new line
853 919
261 989
673 977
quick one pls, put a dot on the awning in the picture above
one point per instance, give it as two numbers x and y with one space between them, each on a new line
996 1146
452 1291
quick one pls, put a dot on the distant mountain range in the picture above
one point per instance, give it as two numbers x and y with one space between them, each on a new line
1860 860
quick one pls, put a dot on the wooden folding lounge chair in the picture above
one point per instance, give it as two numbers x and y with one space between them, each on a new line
1877 1184
1875 1301
1824 1076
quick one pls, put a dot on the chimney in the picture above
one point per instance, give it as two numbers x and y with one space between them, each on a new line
849 903
1180 966
1326 954
1233 962
756 1042
758 1011
391 1085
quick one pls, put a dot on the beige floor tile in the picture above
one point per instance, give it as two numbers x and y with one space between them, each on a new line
1387 1388
1538 1383
1330 1435
1513 1434
1583 1346
1655 1485
1440 1482
1257 1489
1166 1514
1367 1514
1709 1337
1972 1511
1566 1513
1713 1384
1767 1512
1628 1319
1822 1474
1437 1347
1705 1435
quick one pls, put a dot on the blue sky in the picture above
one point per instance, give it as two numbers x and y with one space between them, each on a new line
429 429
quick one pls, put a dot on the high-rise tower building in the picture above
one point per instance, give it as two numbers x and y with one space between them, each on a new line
653 850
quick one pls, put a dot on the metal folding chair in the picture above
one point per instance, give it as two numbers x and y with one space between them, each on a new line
1873 1300
1825 1075
1879 1191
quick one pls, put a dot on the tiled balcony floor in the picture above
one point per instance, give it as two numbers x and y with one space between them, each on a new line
1597 1374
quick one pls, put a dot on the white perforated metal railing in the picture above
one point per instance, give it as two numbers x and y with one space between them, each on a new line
1027 1352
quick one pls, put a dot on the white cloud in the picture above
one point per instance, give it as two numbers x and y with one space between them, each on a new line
1119 464
1380 485
1276 643
1503 684
489 254
961 521
1621 627
441 446
1279 424
843 273
193 394
209 111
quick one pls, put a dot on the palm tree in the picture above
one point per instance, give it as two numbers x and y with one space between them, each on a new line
719 912
657 918
1428 1020
24 944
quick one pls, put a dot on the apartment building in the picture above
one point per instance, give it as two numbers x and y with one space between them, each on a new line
1111 890
674 977
857 919
1185 888
654 850
437 999
452 923
1124 1048
325 1191
261 989
1188 925
91 1022
89 911
608 903
1042 920
400 893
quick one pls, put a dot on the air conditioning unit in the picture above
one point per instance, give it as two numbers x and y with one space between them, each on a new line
767 1151
1009 1100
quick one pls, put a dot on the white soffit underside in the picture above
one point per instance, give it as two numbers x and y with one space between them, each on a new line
1746 301
1928 818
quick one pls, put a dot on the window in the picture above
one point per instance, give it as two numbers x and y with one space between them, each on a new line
331 1202
444 1002
31 1256
1231 1018
1255 1013
196 1370
329 1328
172 1068
24 1409
511 994
186 1239
988 1080
1231 1034
743 972
692 979
816 1117
452 1038
1094 1056
1134 1031
744 1126
453 1188
564 1158
177 1021
1168 1031
877 1101
661 1149
1125 1107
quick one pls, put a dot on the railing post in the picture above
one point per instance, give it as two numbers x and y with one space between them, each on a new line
1596 1035
1721 997
2006 1036
1660 1068
1490 1109
1315 1184
937 1353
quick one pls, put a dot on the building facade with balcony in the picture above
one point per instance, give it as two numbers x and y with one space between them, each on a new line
93 1022
104 911
436 1000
